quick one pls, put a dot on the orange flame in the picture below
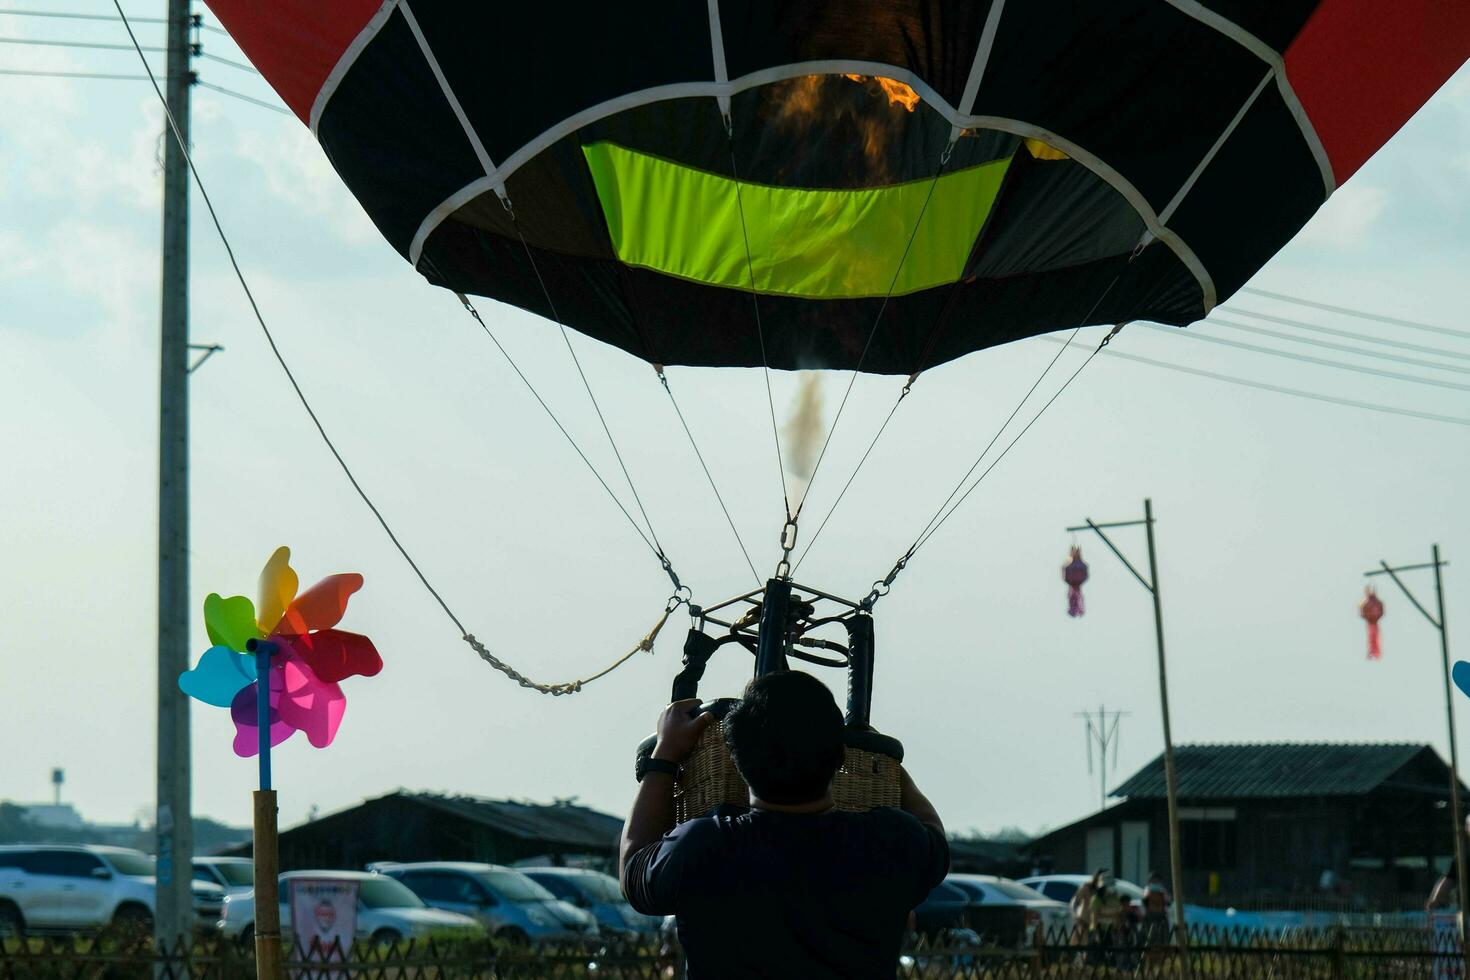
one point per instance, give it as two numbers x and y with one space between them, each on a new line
898 93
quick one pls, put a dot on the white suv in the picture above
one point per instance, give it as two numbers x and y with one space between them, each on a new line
65 888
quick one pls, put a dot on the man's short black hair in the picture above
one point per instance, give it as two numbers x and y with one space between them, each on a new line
786 737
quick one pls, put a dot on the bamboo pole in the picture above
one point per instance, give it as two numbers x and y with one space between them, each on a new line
268 965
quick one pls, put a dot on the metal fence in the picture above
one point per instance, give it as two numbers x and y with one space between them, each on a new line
1210 954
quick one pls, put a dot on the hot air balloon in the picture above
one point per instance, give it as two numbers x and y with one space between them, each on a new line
993 170
869 186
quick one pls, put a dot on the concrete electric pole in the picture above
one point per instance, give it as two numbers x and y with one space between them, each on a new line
174 825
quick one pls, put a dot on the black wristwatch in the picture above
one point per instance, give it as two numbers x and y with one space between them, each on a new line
647 764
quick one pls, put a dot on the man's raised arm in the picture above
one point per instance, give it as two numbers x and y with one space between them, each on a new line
652 815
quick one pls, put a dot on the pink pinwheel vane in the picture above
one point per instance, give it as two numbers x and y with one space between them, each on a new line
289 642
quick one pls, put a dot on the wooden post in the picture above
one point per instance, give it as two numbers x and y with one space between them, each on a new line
1171 779
268 965
1457 827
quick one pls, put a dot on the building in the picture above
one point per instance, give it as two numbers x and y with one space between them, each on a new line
1277 825
406 826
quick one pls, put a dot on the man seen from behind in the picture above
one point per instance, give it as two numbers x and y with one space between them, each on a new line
792 887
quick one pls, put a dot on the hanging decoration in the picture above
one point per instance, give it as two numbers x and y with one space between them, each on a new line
1371 609
1461 676
1074 573
307 658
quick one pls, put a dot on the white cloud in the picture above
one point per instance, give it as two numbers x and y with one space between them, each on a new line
297 172
1346 219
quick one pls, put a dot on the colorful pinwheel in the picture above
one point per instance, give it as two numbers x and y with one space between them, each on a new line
307 657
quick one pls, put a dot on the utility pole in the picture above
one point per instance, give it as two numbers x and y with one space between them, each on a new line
1104 733
174 915
1457 828
1171 780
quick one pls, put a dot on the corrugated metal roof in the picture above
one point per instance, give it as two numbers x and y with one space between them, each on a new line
560 823
1254 771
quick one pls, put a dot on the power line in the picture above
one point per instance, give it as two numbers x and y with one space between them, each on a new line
1309 359
231 62
92 45
244 98
1278 389
67 15
1362 314
1349 334
73 74
1329 345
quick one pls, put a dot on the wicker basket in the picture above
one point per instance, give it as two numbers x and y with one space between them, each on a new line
868 778
708 777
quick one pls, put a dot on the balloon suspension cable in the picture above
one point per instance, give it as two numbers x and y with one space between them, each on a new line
577 362
908 386
632 522
680 594
755 306
694 444
872 333
883 585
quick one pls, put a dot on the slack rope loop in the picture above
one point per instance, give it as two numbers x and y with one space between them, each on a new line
646 644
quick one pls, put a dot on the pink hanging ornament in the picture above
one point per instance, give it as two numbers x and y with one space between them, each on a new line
1371 609
1074 573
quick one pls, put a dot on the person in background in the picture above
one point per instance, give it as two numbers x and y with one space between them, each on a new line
1446 892
1156 899
1104 919
1080 905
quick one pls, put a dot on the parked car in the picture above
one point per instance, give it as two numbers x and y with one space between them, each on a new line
387 912
597 893
72 888
1063 887
1007 912
511 906
234 875
942 909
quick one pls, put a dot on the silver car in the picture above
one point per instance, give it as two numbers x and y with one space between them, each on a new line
63 888
512 907
386 911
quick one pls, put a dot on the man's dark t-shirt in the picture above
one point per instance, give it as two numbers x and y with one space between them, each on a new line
766 894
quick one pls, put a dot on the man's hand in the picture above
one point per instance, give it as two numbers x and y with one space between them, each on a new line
653 807
677 731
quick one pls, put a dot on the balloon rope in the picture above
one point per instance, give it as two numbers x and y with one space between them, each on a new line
470 308
853 476
881 587
694 444
755 305
568 688
551 305
1010 445
259 319
873 332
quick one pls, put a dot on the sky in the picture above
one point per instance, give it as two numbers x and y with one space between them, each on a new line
1269 507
